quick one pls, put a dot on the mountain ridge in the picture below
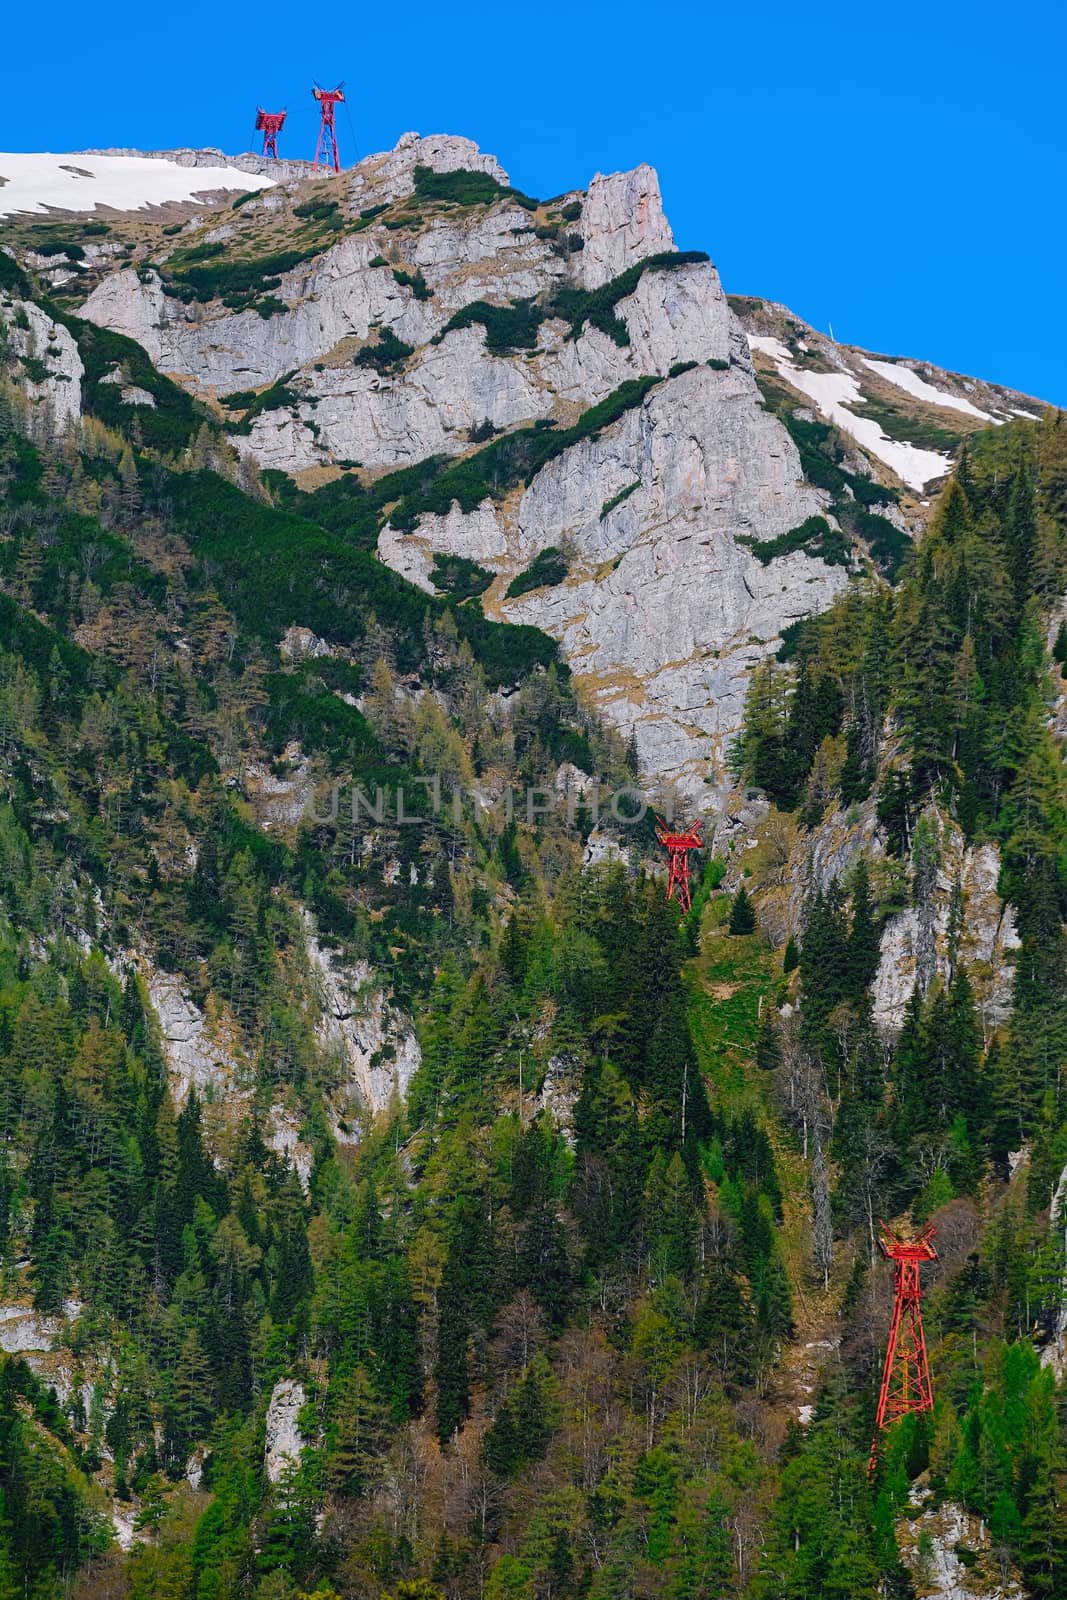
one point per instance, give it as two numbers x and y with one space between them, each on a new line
400 1197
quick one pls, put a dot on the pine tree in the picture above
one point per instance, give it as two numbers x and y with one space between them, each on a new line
742 914
699 1559
864 943
1059 649
359 1428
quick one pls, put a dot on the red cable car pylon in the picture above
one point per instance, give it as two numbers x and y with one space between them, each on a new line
328 99
906 1384
270 124
678 846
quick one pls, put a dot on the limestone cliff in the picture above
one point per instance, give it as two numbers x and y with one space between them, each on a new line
665 607
418 305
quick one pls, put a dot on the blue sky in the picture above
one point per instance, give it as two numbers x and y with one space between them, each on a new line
897 170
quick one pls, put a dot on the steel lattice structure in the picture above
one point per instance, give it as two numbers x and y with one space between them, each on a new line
270 124
678 846
906 1385
328 100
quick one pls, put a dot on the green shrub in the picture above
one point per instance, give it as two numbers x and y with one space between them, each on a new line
413 281
190 279
272 399
36 369
870 492
199 252
303 705
887 544
73 252
270 307
369 213
97 230
465 188
814 535
12 277
170 425
679 367
567 744
377 261
597 306
507 328
1059 648
388 354
547 569
242 200
572 212
318 210
239 401
459 577
272 567
896 422
617 499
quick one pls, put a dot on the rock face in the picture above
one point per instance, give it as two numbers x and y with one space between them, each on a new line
622 222
664 612
665 608
284 1441
915 941
1054 1352
378 1053
198 1055
46 365
39 1340
22 1330
389 175
930 1544
913 953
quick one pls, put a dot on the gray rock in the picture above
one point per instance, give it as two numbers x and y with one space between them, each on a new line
622 222
664 613
284 1441
48 342
378 1053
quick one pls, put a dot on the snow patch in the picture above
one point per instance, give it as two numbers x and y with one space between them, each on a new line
833 393
908 379
78 182
770 347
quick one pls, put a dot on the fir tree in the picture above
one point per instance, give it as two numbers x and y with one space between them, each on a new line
742 914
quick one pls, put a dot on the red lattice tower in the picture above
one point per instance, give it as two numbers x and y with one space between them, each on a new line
906 1382
328 100
678 846
270 124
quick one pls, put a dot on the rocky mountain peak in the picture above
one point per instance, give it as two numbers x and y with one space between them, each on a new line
598 447
388 176
622 223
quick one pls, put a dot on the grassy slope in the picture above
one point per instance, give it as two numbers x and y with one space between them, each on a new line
727 982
